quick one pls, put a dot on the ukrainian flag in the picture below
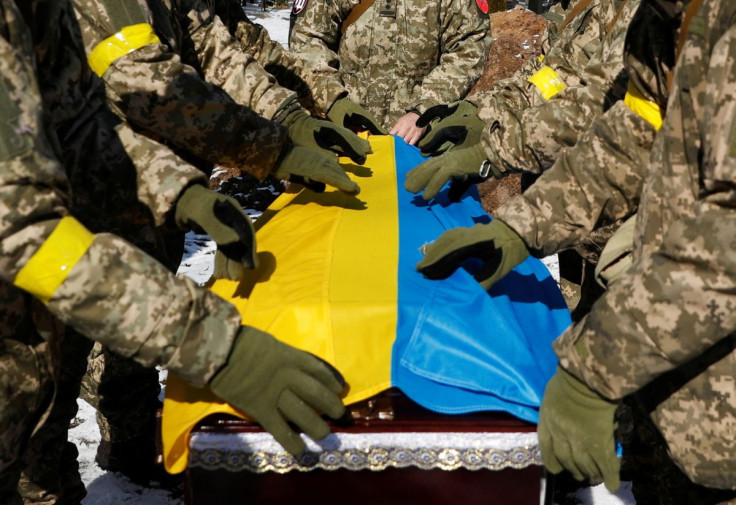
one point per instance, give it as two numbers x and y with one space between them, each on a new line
337 278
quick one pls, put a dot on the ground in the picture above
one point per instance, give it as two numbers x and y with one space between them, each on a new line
516 33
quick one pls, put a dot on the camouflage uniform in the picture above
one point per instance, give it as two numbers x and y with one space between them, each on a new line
664 331
317 91
183 106
63 118
544 107
398 56
149 85
551 101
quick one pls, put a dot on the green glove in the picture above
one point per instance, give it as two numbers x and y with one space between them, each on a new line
464 167
453 126
222 218
325 137
314 170
497 245
576 427
349 114
276 384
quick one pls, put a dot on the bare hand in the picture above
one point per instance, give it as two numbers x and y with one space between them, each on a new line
406 128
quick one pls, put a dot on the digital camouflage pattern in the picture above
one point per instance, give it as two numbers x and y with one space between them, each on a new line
671 321
161 88
125 395
55 113
316 90
527 132
399 56
595 184
665 330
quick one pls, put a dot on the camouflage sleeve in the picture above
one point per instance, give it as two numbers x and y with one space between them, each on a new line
222 60
566 49
99 284
161 175
677 301
317 91
544 107
465 37
594 183
159 94
315 37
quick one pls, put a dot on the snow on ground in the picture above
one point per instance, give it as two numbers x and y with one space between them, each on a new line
105 488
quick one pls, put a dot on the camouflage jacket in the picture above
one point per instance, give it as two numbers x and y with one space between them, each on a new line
596 183
546 105
398 56
317 91
96 282
667 328
178 91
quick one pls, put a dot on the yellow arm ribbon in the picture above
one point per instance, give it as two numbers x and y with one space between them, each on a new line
129 39
547 81
49 267
642 107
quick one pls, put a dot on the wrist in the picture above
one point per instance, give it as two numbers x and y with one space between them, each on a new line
286 109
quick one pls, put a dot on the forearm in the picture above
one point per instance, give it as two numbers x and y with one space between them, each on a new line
225 63
594 183
315 38
675 304
316 90
531 139
192 114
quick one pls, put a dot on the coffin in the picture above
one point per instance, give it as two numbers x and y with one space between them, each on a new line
390 451
455 374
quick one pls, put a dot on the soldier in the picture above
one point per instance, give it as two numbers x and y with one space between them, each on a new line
58 205
395 59
662 336
523 123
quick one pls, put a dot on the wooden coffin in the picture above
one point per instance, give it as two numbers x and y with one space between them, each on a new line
388 450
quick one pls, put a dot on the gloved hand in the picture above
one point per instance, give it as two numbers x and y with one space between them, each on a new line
314 170
464 167
497 245
349 114
453 126
325 137
222 218
576 427
275 384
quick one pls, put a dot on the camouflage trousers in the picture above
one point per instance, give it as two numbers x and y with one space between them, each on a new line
125 395
42 364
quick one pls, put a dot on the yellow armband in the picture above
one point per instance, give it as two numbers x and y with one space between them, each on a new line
547 81
642 107
129 39
49 267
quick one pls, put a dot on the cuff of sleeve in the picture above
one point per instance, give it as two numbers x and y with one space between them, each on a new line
325 93
421 106
572 350
207 342
173 184
519 215
275 101
261 161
